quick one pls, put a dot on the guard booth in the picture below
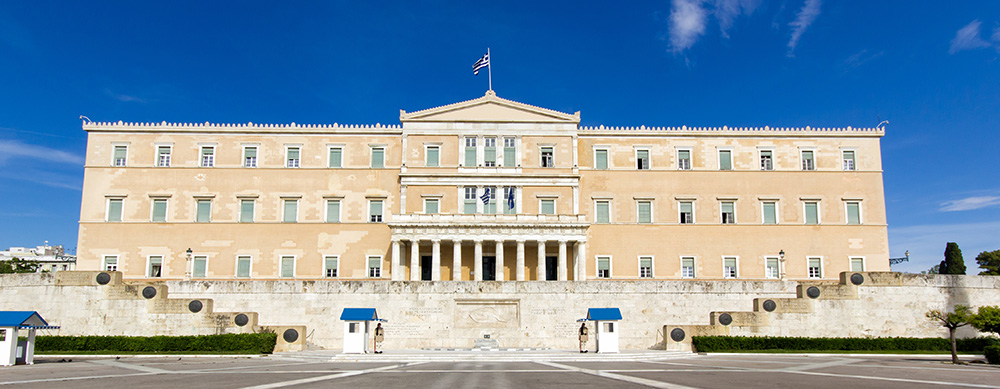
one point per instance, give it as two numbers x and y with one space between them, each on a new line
606 320
357 328
13 351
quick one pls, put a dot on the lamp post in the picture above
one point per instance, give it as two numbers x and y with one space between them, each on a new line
781 264
187 267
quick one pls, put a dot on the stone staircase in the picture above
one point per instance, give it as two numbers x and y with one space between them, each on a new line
468 355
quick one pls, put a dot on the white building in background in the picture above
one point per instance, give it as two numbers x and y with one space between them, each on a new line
51 258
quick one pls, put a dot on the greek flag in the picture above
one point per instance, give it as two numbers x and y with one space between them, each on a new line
486 196
510 197
481 63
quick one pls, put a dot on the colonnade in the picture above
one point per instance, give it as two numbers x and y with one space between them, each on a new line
579 270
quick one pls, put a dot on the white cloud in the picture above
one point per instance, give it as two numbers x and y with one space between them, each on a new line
926 243
861 57
687 23
13 148
970 203
967 38
996 35
726 12
806 16
123 97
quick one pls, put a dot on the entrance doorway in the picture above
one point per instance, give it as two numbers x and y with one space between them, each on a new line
425 268
550 268
489 268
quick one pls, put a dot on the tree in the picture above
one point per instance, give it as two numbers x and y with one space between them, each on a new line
936 269
989 261
953 262
952 321
17 265
987 320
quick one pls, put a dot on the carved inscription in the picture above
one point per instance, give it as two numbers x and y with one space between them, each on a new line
487 313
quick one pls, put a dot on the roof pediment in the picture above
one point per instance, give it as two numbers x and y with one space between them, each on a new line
489 108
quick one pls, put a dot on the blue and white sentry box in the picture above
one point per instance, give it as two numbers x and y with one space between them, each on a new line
605 319
10 322
356 328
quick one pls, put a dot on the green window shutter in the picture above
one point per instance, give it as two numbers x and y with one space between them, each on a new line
243 267
378 158
490 155
163 150
374 262
729 262
120 152
601 160
431 206
769 213
331 263
470 207
470 156
686 207
725 160
812 215
246 211
772 262
200 266
509 157
684 154
115 210
853 213
288 266
291 211
333 211
645 262
687 262
814 262
727 207
857 264
548 207
250 152
159 210
433 156
204 211
335 157
156 260
375 209
642 157
603 264
603 212
645 215
293 153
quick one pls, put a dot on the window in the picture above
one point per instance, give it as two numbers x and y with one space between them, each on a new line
848 159
812 212
469 207
374 266
247 210
490 152
432 206
378 157
645 267
725 160
853 212
110 263
644 212
815 267
204 211
120 155
470 151
330 266
433 156
603 267
771 267
729 267
243 266
250 156
200 267
770 211
642 159
857 264
602 211
687 267
684 159
728 212
155 266
291 211
490 205
510 206
207 156
292 157
114 213
766 160
547 156
609 327
808 163
547 207
601 159
336 156
375 211
509 152
159 211
332 211
163 156
287 266
687 212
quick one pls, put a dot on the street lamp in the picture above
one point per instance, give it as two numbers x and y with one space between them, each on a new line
187 268
781 264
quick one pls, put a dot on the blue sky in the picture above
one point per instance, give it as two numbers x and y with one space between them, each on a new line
931 68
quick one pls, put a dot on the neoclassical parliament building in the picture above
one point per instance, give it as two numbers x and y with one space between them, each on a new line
485 189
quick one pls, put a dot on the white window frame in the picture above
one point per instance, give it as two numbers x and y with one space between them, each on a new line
295 264
808 272
149 264
236 269
107 209
288 161
503 154
329 161
802 159
649 157
194 260
850 265
651 210
198 200
170 154
435 199
104 263
340 209
722 215
371 156
607 157
652 266
597 266
690 160
819 212
336 270
463 198
847 212
201 157
854 161
427 148
777 267
368 268
694 266
736 268
760 158
496 156
541 157
732 158
114 161
256 158
368 211
285 200
777 211
152 208
596 215
680 219
555 204
253 218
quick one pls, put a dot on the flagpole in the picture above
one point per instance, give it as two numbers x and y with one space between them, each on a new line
490 68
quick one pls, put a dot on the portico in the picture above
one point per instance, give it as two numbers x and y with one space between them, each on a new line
490 247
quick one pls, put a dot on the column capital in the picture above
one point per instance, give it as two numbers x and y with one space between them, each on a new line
436 240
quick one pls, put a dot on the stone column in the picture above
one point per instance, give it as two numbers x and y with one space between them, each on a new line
520 261
456 261
436 260
478 269
541 260
499 263
397 262
414 260
562 260
581 261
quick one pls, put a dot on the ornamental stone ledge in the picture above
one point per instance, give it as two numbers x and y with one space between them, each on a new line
489 227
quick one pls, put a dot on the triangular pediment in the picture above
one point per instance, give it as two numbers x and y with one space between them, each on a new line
489 108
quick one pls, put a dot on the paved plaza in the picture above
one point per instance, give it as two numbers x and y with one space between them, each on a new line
504 370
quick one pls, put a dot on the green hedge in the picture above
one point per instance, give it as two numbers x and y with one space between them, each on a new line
228 343
742 343
992 354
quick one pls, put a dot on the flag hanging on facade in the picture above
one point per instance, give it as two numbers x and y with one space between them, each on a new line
510 197
486 196
481 63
